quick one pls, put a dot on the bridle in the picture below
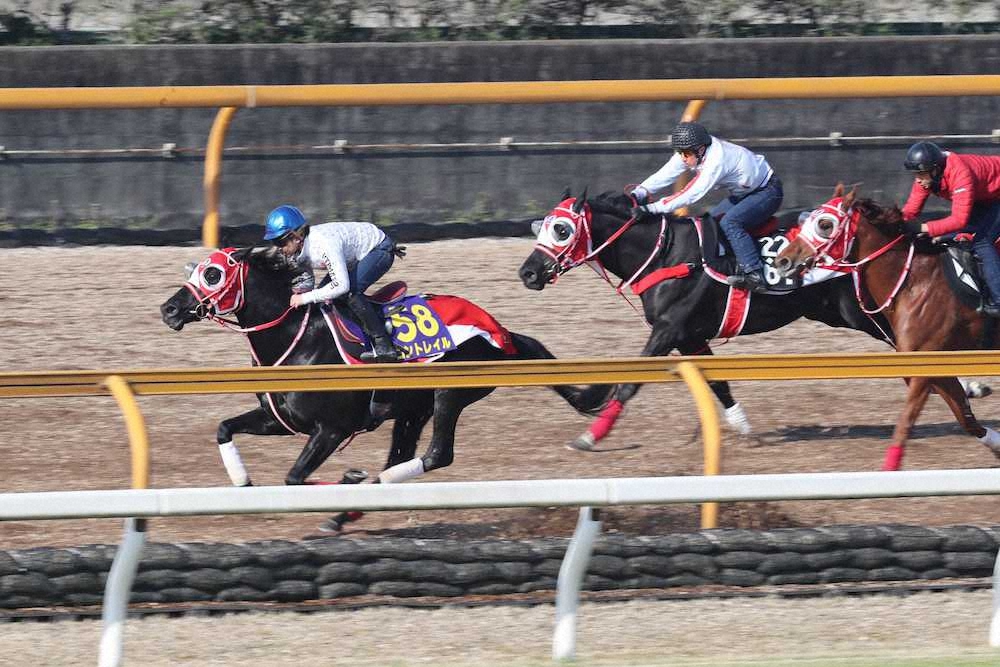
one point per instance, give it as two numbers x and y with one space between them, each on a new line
570 255
846 221
214 301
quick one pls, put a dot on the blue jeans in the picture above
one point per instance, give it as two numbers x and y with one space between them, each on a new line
737 214
371 267
984 222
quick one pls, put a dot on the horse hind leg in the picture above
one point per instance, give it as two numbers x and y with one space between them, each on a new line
916 397
448 405
954 394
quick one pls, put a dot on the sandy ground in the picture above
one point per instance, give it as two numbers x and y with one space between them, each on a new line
939 627
97 308
85 308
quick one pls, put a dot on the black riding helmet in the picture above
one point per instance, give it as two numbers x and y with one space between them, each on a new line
689 136
925 156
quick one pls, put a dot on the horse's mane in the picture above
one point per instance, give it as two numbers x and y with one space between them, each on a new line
616 204
889 221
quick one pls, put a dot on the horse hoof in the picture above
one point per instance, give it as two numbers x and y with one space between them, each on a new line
978 390
331 526
585 443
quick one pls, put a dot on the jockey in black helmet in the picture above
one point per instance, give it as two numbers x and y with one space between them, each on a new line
755 192
972 183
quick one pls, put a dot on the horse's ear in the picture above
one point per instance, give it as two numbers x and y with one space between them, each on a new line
242 254
839 190
566 194
850 197
580 201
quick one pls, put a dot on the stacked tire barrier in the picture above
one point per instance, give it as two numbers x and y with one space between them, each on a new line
281 571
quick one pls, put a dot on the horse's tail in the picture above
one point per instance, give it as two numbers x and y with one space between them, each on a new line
588 400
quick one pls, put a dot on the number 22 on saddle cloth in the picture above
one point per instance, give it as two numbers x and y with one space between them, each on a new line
426 327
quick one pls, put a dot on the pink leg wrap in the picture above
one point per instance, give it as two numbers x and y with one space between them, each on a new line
606 420
893 457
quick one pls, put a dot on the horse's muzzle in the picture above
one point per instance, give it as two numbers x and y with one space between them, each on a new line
536 279
172 316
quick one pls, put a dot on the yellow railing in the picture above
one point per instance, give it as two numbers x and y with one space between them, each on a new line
230 98
696 372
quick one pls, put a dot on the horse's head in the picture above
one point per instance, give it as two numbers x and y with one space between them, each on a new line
825 236
563 241
217 285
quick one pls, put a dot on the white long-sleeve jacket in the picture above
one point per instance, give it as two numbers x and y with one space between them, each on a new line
334 246
725 165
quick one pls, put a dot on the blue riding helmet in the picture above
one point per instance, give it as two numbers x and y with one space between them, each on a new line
282 220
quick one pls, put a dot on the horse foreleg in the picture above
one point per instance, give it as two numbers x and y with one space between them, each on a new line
660 343
448 405
255 422
735 416
916 397
953 392
320 445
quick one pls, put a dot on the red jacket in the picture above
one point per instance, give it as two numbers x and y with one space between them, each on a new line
967 180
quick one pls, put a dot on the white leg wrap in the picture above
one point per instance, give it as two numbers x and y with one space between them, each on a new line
402 472
991 439
737 420
234 464
975 388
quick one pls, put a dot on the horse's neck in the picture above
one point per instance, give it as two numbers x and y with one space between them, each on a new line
880 275
627 254
288 338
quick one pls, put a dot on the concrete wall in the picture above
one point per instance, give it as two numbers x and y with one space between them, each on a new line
281 571
154 192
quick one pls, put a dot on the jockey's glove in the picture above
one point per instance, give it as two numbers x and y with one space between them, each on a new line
638 212
912 228
640 195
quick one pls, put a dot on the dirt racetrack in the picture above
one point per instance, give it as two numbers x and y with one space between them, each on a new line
97 308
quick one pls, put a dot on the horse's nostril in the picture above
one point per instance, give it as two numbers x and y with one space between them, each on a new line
170 309
527 274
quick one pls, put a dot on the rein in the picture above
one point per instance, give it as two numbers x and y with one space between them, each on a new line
563 261
851 217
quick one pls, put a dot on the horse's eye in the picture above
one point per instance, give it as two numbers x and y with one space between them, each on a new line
561 231
825 227
211 276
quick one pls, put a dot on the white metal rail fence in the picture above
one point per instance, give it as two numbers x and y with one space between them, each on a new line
586 493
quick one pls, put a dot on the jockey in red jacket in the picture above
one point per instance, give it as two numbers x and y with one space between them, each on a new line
972 184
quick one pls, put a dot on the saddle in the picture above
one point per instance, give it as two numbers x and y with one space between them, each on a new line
424 327
720 261
962 269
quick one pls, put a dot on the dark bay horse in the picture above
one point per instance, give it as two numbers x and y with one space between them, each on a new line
254 286
689 306
905 281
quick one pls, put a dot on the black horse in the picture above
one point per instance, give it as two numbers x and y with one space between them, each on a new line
255 285
684 298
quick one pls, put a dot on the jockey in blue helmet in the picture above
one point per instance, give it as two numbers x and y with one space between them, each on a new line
354 255
282 220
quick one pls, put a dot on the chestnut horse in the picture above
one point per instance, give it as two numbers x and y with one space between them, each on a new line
903 280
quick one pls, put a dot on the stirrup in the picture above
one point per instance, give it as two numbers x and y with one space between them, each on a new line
990 309
381 356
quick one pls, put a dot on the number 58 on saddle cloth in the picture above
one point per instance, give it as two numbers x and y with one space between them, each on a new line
423 327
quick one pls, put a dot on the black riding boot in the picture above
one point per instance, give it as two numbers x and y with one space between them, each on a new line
374 325
751 280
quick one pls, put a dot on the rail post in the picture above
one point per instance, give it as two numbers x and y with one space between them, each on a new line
571 574
709 417
126 562
691 113
213 171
